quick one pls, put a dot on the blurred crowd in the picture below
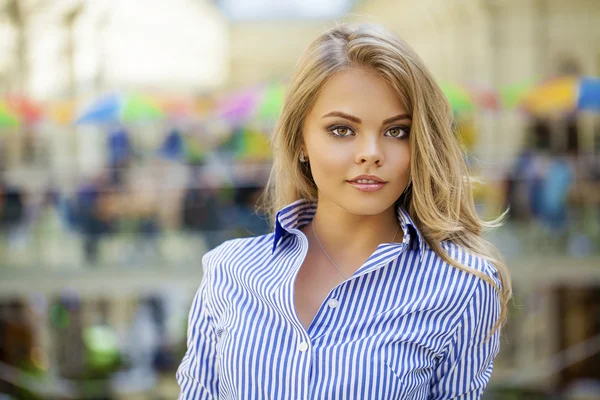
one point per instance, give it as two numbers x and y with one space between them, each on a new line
139 197
555 184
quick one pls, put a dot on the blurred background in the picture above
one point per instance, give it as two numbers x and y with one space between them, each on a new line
134 137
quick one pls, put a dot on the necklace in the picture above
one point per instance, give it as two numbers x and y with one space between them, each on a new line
322 248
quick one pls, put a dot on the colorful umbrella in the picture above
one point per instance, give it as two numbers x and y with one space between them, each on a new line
589 94
204 105
468 98
28 111
121 108
8 119
512 95
262 103
178 107
271 101
239 106
484 97
61 112
459 98
563 95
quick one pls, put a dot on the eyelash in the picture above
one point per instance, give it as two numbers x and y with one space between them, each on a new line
332 128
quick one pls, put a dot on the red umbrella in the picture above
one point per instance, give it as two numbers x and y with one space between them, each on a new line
28 111
483 96
179 107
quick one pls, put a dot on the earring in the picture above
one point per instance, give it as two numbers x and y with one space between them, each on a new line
301 157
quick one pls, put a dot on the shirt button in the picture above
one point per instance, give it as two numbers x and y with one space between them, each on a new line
303 347
333 303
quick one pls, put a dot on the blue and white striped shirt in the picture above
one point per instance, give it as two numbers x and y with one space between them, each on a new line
405 325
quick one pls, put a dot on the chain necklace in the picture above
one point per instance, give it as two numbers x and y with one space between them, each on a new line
322 248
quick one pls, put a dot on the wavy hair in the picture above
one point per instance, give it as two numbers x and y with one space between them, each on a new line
439 198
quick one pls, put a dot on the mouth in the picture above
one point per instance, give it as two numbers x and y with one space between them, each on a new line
367 183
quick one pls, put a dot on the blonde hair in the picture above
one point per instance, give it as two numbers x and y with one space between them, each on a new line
439 198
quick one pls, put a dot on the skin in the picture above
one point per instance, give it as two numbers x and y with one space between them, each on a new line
350 224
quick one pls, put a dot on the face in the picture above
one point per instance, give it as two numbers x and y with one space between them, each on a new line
358 126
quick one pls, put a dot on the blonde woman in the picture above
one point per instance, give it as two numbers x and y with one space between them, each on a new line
376 282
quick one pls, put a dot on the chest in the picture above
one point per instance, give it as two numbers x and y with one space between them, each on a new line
372 322
315 280
259 346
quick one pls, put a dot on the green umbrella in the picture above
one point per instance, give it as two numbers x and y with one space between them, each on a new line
138 108
513 94
7 118
121 108
272 101
459 98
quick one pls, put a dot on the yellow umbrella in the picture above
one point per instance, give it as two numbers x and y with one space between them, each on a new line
61 112
555 96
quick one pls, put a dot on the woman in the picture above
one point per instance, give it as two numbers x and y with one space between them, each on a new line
376 282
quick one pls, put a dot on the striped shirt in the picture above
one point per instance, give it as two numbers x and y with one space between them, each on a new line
405 325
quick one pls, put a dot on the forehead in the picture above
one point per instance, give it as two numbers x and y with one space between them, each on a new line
358 91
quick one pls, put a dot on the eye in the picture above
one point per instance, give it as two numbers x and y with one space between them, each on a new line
340 131
398 132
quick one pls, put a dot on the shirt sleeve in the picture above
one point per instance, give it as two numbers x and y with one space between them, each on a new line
197 373
466 367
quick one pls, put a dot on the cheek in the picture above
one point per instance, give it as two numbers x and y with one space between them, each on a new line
401 160
330 163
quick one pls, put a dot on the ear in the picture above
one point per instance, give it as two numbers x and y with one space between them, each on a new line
302 147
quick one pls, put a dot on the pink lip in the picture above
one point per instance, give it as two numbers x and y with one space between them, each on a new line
371 177
367 187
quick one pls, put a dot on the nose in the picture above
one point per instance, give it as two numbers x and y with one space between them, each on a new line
369 150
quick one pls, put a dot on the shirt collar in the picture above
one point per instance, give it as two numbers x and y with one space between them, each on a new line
299 213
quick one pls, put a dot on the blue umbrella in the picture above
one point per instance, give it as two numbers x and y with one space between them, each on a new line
120 108
589 94
564 95
106 109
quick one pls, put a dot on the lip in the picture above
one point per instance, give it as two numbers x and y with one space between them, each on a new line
371 177
367 187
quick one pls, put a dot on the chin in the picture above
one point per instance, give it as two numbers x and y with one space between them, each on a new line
367 206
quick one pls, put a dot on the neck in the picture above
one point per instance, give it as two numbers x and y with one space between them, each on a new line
349 236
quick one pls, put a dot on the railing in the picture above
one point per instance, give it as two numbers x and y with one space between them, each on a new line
50 245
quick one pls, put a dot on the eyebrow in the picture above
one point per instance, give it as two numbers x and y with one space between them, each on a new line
359 121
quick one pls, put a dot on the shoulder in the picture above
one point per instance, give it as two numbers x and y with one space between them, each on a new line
458 283
462 294
469 259
483 295
234 251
